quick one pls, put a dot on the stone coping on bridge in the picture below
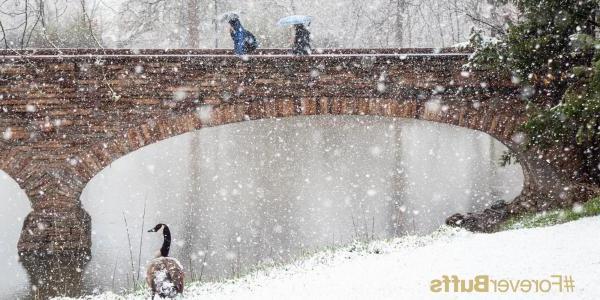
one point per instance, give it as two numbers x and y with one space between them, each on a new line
213 52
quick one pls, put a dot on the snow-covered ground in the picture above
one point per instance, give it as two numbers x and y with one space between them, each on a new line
404 268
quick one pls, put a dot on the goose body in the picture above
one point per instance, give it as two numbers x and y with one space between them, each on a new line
164 274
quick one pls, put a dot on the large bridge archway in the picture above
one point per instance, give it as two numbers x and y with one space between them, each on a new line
276 182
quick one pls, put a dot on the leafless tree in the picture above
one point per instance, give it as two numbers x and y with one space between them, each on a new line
4 36
193 23
401 6
44 23
88 21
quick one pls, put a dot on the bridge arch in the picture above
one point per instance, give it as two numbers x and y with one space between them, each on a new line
106 196
500 126
490 120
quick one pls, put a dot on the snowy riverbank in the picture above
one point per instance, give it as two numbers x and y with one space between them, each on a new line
404 268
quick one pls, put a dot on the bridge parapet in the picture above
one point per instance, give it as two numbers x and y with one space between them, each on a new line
213 52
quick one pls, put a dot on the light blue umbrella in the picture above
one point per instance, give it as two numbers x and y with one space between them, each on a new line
294 20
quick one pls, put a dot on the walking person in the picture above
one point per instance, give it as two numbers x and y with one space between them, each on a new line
244 41
302 39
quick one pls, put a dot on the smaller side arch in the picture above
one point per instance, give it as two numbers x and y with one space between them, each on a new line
15 207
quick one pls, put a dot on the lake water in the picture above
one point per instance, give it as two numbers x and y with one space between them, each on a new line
243 195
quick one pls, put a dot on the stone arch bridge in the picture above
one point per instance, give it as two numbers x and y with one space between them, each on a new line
67 114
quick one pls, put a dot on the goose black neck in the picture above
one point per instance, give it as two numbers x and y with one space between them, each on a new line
166 246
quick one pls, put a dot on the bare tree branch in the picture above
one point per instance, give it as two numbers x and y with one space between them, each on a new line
4 36
32 29
47 38
492 26
15 28
25 29
89 23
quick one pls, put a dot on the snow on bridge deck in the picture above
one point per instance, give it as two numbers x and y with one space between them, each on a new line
271 51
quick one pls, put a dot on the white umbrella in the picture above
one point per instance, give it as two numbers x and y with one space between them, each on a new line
228 16
294 20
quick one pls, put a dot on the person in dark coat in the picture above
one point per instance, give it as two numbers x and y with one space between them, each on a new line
302 40
244 42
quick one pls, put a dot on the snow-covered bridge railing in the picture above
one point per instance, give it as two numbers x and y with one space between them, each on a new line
67 114
213 52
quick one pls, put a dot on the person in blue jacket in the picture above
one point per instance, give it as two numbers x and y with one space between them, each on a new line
244 41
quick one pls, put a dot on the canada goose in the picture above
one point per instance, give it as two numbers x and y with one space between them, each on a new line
164 274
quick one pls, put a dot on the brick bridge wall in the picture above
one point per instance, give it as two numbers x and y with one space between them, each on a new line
67 115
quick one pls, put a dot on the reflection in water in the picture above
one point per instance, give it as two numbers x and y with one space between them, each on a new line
54 276
260 192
